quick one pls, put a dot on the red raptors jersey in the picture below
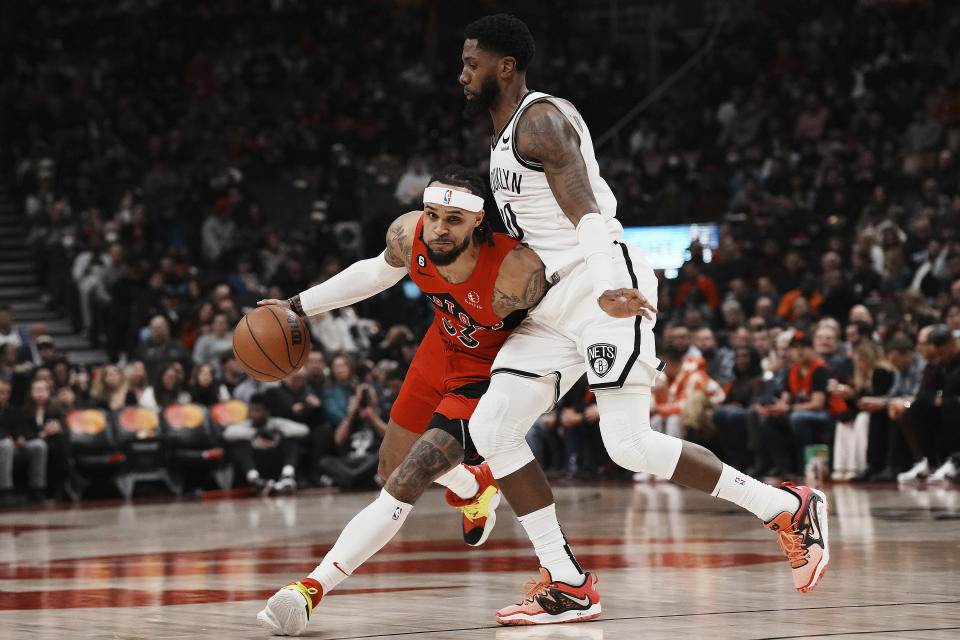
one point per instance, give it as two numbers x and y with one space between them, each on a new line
464 314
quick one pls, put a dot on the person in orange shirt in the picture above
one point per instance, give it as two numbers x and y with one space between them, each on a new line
683 377
807 290
694 279
805 412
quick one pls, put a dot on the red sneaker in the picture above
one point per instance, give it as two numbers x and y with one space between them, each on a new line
480 511
289 609
548 602
804 536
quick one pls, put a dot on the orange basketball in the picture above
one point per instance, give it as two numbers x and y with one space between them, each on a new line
271 343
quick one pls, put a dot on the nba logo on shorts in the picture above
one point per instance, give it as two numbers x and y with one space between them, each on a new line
601 357
447 195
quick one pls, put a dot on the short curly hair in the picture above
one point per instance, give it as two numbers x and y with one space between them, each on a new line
504 34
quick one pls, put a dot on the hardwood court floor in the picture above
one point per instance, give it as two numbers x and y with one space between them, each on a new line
672 564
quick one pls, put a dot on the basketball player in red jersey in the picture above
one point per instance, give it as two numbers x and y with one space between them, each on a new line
598 319
481 284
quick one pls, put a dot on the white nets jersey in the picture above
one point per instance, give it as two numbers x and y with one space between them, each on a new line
528 207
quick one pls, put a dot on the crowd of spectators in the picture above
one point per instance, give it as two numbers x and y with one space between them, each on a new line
178 162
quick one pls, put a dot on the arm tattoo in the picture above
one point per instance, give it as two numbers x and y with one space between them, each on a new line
523 282
535 288
398 250
435 453
505 303
544 135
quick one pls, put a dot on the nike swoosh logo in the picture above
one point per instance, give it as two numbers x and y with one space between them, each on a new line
340 570
814 534
424 273
583 602
506 139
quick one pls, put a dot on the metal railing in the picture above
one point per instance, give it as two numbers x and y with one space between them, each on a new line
614 131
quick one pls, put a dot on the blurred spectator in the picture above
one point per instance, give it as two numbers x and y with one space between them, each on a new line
210 347
110 390
684 378
860 436
231 373
204 389
577 425
135 375
167 389
719 359
13 445
294 400
354 410
733 416
43 436
217 231
265 447
802 414
10 333
826 346
159 349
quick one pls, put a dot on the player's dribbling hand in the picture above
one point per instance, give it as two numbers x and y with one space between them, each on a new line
274 302
626 303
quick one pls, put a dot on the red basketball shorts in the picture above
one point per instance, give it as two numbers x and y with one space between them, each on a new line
441 379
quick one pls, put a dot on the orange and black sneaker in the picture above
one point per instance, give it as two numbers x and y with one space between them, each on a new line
289 609
804 536
548 602
480 511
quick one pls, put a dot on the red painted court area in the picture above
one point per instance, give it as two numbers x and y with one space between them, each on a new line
300 559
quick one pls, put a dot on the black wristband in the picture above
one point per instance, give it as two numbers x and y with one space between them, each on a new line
295 305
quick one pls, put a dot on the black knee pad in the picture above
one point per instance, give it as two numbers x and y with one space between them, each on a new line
459 430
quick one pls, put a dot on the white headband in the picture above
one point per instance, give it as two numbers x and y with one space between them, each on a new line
452 198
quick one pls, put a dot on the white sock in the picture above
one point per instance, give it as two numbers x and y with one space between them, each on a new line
361 538
555 556
460 481
763 500
288 471
253 475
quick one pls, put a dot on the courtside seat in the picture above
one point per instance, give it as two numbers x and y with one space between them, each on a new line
194 443
93 446
140 435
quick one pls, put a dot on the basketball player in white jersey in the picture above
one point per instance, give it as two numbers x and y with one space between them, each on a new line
598 317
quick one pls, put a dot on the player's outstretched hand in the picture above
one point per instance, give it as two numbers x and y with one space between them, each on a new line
626 303
274 302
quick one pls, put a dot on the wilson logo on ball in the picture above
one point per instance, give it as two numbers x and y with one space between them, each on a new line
296 336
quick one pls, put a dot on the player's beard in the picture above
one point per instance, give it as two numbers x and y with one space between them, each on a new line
447 257
481 102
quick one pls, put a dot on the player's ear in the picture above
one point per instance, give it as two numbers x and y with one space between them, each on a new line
479 221
507 66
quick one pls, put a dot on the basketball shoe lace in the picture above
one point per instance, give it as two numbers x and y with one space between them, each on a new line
536 587
792 544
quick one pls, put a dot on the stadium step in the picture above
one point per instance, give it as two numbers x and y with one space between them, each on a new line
19 293
27 317
12 242
17 254
15 266
87 356
20 290
18 279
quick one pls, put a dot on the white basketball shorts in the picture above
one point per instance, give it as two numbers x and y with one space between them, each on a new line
568 333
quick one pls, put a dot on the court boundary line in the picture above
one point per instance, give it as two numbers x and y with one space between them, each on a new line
711 613
856 633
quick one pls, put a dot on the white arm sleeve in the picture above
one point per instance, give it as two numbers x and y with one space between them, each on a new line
595 246
357 282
